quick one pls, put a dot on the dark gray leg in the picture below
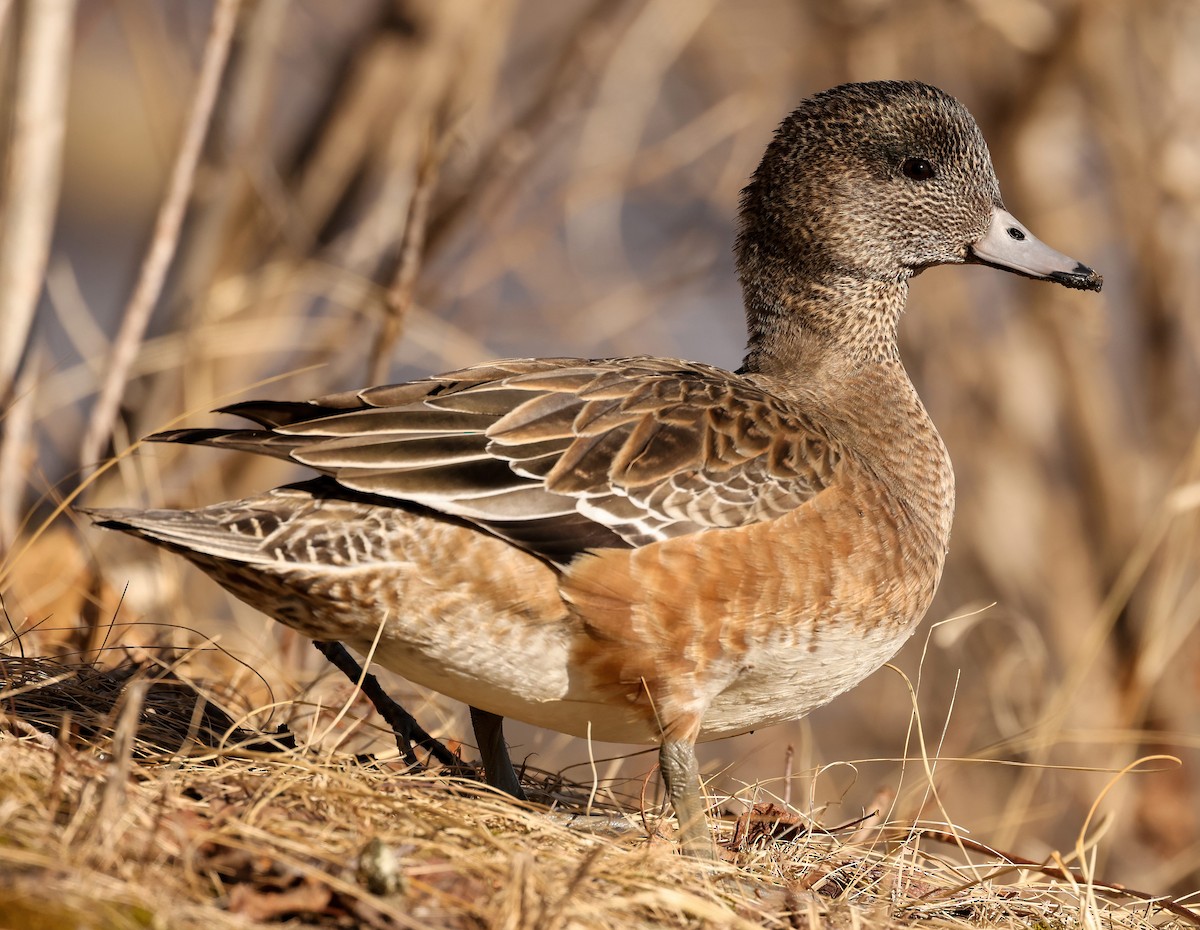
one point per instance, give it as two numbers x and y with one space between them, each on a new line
404 726
497 766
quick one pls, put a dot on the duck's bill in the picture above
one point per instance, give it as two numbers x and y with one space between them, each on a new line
1009 245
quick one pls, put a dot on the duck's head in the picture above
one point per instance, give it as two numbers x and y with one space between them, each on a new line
879 181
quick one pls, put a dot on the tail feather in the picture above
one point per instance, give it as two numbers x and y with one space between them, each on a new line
186 532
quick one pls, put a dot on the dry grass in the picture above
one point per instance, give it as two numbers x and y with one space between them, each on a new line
391 188
230 828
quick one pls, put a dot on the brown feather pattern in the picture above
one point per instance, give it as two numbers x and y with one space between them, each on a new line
645 449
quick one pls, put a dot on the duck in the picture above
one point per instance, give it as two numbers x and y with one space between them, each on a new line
651 550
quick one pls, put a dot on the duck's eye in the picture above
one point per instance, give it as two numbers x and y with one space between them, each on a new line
918 169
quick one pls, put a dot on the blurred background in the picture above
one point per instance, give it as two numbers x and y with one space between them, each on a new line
383 190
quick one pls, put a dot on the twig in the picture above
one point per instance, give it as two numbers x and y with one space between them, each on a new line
216 230
399 297
17 450
31 194
5 9
166 233
30 200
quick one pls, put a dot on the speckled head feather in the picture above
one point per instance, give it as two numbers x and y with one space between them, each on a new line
831 195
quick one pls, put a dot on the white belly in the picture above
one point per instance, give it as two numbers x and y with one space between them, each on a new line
525 674
782 682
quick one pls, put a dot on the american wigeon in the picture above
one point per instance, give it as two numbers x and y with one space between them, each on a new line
645 549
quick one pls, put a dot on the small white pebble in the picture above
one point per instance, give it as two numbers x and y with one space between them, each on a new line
379 869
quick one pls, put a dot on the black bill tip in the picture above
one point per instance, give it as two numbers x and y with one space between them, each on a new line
1081 278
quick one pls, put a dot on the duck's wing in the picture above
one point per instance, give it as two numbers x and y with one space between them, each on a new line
558 455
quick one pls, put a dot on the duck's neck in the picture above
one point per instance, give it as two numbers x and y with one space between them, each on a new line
797 325
831 345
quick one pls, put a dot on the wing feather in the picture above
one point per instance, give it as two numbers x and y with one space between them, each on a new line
559 455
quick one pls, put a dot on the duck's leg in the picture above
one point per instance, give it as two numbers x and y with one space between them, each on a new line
404 725
498 769
681 773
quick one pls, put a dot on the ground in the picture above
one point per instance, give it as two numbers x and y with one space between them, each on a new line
125 826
